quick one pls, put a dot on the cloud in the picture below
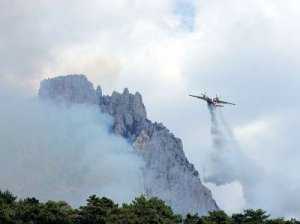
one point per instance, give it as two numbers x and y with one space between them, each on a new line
37 35
272 145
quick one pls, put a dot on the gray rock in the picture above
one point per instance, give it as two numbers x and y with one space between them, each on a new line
71 89
168 174
128 110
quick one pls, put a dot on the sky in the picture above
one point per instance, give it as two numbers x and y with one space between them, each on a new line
244 51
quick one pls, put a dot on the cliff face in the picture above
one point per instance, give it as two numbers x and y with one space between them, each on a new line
168 174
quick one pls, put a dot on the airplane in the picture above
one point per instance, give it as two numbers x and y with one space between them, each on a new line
216 102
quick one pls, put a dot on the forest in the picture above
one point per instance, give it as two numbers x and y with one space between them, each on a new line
141 210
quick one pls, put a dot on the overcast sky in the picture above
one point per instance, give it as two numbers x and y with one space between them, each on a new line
245 51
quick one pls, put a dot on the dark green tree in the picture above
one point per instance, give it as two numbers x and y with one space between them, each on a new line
293 221
97 210
28 211
7 197
255 216
217 217
7 207
56 213
192 219
153 210
238 218
276 221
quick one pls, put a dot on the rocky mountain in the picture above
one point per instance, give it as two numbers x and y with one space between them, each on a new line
168 174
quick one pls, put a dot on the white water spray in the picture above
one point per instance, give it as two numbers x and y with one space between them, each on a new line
228 163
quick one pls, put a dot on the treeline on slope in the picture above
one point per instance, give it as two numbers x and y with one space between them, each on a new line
104 211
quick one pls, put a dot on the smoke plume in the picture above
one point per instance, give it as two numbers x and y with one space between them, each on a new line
64 153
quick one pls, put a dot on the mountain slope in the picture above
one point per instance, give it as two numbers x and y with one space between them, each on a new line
168 174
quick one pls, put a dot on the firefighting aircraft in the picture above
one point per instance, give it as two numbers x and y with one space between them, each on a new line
216 102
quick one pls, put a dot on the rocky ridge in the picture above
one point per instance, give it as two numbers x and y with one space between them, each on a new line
168 174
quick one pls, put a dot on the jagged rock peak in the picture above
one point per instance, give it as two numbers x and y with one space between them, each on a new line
99 91
70 88
126 91
128 110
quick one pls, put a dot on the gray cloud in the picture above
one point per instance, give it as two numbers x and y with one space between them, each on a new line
51 36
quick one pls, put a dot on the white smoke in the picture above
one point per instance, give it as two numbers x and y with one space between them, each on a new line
64 153
229 168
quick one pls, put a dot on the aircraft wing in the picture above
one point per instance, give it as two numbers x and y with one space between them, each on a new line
199 97
224 102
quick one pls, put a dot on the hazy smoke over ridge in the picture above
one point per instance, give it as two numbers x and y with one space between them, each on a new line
60 153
